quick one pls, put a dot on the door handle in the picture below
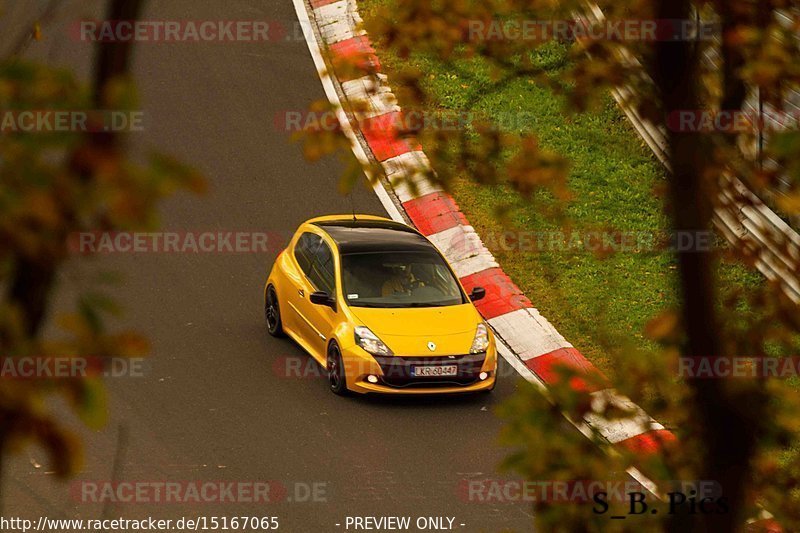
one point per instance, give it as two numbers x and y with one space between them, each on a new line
301 292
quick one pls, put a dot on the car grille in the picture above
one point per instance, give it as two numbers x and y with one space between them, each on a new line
397 370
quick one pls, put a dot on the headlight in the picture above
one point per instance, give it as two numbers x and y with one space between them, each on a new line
481 341
370 342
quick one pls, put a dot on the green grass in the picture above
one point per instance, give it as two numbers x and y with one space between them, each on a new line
592 301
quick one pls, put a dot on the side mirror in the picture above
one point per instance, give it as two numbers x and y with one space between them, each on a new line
322 298
477 293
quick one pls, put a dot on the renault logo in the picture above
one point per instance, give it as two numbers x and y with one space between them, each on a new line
431 346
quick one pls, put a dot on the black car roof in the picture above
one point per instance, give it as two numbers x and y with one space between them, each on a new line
354 236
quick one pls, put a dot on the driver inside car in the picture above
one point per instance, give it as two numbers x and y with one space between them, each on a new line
401 282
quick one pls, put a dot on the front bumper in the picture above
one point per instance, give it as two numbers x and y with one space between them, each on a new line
394 373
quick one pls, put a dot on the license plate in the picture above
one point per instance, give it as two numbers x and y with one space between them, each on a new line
433 371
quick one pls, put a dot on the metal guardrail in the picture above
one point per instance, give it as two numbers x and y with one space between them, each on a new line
742 218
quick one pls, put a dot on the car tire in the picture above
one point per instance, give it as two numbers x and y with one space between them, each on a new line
337 377
272 313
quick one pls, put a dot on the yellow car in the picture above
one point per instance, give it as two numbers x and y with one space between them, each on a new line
376 304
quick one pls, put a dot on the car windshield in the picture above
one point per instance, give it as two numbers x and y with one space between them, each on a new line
399 279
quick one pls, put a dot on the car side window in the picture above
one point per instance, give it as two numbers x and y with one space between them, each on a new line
322 270
304 251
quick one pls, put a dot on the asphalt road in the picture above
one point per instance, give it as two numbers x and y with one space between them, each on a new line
213 404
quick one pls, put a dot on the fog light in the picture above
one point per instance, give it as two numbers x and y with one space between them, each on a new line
372 379
483 375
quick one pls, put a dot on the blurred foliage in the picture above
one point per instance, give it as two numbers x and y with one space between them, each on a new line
54 185
740 432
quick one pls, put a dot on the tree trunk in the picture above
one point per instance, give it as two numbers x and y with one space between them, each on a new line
31 280
717 413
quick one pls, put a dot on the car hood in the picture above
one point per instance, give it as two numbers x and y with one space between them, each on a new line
408 331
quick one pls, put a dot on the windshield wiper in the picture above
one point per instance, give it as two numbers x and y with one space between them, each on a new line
399 305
